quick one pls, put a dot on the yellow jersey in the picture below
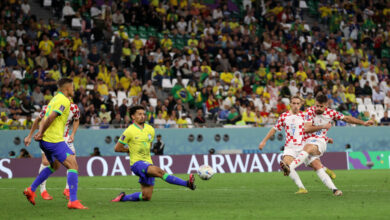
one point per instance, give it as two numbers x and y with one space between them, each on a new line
55 132
139 142
46 46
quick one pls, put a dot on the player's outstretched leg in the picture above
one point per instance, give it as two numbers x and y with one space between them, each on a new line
158 172
45 195
177 181
287 159
122 197
43 175
309 149
325 177
71 164
66 190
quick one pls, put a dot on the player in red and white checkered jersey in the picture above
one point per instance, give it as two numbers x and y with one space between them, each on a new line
315 143
293 123
74 116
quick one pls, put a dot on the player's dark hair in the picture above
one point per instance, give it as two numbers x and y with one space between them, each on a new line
321 98
134 109
64 81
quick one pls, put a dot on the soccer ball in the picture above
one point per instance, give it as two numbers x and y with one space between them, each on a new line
205 172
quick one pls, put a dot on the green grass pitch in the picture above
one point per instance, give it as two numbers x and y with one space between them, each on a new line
225 196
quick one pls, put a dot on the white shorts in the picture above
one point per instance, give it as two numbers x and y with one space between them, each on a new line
321 144
292 150
70 145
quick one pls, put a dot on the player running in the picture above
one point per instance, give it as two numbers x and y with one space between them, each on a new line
315 143
294 126
51 141
74 116
139 137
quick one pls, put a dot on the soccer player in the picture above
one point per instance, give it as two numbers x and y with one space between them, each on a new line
293 122
74 116
138 137
51 140
315 143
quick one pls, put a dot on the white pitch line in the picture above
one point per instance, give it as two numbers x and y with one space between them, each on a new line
204 189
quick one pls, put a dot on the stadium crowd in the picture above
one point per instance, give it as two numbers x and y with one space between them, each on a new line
195 63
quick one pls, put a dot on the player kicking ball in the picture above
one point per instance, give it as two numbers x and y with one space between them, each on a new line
51 141
139 137
315 143
293 123
74 116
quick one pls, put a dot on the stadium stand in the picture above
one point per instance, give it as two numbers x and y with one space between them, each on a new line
237 61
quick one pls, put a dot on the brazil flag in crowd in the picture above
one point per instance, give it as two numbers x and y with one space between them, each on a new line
179 92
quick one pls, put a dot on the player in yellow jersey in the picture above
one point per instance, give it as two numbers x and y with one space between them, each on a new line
139 137
51 141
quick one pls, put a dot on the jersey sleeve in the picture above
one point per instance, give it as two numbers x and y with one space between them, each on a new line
60 105
280 123
76 112
337 115
125 137
43 112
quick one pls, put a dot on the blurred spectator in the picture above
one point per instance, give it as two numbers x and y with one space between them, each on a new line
117 121
158 147
199 120
96 152
24 154
38 96
149 91
385 121
5 122
348 148
104 114
353 111
11 154
377 95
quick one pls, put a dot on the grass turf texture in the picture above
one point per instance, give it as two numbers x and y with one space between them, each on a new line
225 196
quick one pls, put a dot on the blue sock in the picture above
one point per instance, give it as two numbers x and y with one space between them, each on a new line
174 180
73 179
133 197
42 176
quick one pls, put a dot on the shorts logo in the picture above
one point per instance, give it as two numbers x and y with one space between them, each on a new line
62 108
123 138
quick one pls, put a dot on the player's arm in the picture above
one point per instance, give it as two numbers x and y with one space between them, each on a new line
310 128
76 124
352 120
120 147
35 125
271 133
46 123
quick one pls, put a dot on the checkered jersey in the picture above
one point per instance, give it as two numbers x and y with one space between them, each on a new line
74 114
329 115
293 126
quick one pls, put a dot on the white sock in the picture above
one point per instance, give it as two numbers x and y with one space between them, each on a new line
299 160
67 185
295 177
43 184
326 179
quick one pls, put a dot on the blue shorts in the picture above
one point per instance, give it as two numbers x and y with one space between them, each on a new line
140 168
59 151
